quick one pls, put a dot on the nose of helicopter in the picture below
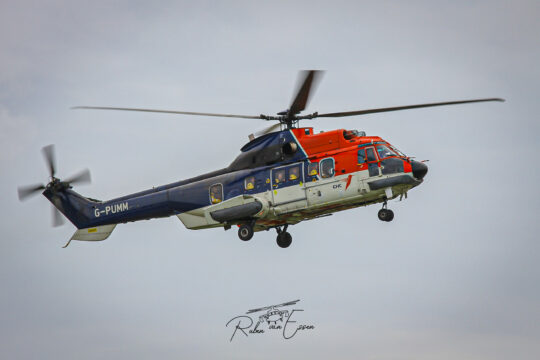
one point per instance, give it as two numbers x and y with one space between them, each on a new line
419 169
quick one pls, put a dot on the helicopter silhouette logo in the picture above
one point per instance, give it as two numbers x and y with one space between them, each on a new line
273 314
274 317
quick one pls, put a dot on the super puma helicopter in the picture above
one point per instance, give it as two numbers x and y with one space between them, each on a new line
280 178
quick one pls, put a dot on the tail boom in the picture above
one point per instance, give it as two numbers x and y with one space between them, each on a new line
85 213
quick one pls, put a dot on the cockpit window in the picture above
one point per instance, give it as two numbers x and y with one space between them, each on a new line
385 152
361 156
216 193
370 154
397 151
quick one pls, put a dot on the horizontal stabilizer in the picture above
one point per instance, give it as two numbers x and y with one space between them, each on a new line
96 233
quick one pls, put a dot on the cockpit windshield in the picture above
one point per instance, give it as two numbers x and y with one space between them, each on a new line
384 151
397 151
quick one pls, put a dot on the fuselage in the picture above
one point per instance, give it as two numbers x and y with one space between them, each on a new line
287 177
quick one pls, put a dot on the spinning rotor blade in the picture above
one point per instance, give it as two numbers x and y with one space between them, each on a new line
268 130
48 153
57 217
27 191
82 177
168 112
309 80
264 131
55 185
406 107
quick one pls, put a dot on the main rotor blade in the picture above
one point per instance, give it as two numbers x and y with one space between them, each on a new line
168 112
406 107
82 177
273 306
309 80
27 191
48 153
57 218
264 131
268 130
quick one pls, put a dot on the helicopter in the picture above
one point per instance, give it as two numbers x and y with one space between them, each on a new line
273 313
284 175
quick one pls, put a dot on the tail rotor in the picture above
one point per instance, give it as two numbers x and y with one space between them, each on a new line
55 185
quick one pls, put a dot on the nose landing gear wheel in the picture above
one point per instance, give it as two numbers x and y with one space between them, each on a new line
245 232
386 215
284 239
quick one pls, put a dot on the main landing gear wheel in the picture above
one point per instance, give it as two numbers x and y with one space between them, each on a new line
284 239
385 215
245 232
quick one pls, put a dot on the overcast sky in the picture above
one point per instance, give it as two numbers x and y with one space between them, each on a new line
455 275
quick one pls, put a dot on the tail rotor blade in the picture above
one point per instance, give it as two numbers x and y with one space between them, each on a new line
82 177
57 218
27 191
55 187
48 153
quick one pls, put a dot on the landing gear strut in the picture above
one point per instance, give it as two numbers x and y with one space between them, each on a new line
385 214
245 232
284 239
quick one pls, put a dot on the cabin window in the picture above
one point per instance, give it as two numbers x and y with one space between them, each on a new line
384 151
313 169
216 193
249 183
294 173
361 156
370 154
327 168
279 176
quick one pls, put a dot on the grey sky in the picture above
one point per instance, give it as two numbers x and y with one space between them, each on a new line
455 275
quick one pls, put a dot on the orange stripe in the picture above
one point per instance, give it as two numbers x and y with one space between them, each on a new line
348 182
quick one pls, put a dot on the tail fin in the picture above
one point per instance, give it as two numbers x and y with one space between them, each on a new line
75 207
80 211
